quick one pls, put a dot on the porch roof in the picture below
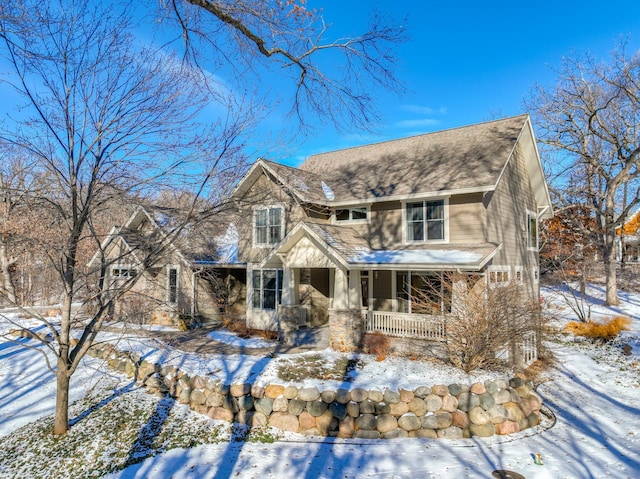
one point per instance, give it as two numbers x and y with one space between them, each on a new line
345 247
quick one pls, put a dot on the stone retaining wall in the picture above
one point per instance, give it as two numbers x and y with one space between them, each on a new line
454 411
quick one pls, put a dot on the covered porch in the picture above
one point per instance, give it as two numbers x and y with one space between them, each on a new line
367 291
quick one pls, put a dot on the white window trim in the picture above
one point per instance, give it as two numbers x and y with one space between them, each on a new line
496 270
517 270
122 266
168 270
260 291
405 239
367 220
532 214
256 208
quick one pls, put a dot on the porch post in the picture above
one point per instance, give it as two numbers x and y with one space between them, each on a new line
345 318
289 296
340 290
355 290
289 309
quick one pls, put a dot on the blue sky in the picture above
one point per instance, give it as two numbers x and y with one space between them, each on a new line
465 62
468 62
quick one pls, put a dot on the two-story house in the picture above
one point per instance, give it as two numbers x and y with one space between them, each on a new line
345 238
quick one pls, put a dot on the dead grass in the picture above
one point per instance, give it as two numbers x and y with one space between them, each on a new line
605 331
317 367
377 345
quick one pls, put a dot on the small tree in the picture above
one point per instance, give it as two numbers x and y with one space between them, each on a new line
484 322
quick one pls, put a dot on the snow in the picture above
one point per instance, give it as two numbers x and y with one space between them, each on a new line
227 245
455 257
234 340
593 390
328 192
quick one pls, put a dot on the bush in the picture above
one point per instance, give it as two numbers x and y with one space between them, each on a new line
377 344
236 325
605 331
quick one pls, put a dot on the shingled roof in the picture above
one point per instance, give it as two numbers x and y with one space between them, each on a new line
459 159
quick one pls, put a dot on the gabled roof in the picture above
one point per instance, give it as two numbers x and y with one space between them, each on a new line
469 158
198 243
346 247
306 186
456 161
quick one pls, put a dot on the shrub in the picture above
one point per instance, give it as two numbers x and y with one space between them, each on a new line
237 326
377 344
605 331
483 322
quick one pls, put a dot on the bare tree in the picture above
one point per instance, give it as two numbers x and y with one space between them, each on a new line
106 118
591 118
483 323
333 78
14 184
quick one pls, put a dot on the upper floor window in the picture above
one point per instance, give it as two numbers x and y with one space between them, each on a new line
358 213
123 272
425 220
268 225
532 230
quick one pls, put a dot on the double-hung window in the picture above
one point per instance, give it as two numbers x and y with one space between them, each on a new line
268 223
425 220
267 288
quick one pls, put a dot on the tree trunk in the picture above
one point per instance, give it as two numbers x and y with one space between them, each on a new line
7 284
610 274
61 421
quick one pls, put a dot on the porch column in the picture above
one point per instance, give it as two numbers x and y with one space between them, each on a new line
345 318
289 309
340 290
290 282
355 290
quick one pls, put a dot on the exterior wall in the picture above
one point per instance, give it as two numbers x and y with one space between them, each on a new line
467 219
507 210
263 192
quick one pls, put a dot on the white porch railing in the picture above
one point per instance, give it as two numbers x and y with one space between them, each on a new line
527 348
404 325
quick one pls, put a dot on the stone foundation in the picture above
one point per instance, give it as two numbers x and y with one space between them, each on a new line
345 329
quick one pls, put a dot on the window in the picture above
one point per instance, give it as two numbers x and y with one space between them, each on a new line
532 231
518 275
267 288
425 220
359 213
172 284
499 276
423 293
268 225
123 272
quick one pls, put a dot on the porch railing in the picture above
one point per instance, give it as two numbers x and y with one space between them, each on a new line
404 325
527 348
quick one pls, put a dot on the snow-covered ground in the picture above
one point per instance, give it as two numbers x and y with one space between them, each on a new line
594 392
